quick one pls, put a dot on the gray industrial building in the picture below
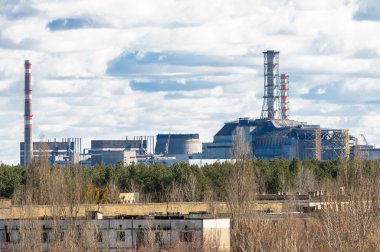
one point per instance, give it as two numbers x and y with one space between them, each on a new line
145 149
274 135
65 152
110 152
279 138
178 144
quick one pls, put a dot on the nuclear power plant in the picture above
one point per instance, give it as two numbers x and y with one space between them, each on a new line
274 135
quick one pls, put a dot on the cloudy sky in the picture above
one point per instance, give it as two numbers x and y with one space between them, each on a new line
108 69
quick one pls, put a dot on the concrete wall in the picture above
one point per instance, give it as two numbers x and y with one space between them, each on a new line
216 234
33 211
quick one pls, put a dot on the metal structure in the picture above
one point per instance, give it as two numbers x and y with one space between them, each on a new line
28 117
147 144
335 143
284 101
63 152
364 148
307 143
270 109
167 145
280 138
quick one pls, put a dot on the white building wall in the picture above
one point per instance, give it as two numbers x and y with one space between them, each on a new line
152 233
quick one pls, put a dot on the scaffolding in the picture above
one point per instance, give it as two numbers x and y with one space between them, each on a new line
318 144
335 144
347 134
308 143
270 109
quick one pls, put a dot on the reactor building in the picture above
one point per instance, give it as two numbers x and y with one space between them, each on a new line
65 152
178 144
274 135
111 152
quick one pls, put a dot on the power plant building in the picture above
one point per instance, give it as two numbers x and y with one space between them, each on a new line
65 152
110 152
178 144
274 135
279 138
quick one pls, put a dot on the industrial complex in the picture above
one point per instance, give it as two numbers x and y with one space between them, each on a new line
274 135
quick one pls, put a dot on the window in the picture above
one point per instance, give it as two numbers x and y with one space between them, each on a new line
78 232
186 236
99 236
159 239
140 239
120 236
45 237
7 234
78 235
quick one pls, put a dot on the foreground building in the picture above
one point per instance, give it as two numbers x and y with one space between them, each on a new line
122 233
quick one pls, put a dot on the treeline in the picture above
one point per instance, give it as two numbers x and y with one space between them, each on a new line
350 224
183 182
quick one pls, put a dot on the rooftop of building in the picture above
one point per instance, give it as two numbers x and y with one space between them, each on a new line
178 136
100 144
49 145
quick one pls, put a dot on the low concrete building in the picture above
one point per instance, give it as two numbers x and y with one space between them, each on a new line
124 233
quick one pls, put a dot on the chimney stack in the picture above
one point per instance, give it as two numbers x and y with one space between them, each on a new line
271 96
28 142
284 88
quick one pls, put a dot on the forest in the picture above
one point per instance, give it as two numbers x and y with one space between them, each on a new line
183 182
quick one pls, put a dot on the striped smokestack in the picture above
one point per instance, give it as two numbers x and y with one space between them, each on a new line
28 142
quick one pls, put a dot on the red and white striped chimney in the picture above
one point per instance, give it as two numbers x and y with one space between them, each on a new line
28 142
284 90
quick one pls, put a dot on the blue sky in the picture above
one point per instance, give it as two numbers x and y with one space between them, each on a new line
107 69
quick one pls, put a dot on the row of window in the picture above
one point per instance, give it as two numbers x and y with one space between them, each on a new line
185 236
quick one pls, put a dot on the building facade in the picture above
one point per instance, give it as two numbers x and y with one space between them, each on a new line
65 152
121 233
278 138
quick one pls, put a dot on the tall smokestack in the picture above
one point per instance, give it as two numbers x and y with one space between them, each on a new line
28 142
270 108
284 88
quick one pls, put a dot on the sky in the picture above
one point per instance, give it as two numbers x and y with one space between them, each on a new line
116 68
